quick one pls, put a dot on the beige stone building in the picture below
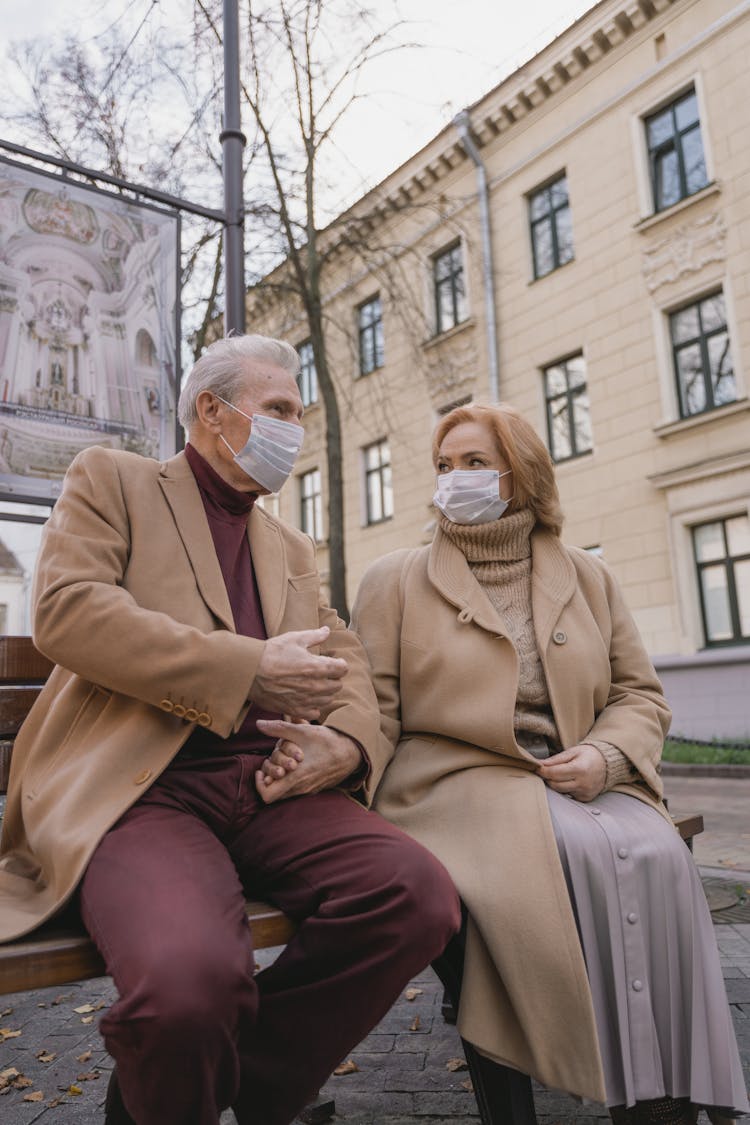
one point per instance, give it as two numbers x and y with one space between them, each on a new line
578 244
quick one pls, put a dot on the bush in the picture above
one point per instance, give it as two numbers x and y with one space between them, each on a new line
705 753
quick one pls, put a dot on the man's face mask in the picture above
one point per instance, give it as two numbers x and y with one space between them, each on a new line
269 454
470 496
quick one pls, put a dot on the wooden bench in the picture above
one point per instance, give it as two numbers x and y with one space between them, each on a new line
61 952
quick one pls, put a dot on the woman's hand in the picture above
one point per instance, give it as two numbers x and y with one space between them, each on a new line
580 772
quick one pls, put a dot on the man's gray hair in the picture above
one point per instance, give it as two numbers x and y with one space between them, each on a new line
222 369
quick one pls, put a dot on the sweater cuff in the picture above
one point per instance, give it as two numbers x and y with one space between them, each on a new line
619 767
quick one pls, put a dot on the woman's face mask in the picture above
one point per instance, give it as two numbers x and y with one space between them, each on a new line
470 496
269 454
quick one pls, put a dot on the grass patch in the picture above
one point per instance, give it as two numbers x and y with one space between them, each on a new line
706 755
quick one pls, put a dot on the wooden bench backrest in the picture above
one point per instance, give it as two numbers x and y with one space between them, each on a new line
23 672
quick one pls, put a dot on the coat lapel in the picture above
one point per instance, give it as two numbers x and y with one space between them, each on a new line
182 495
451 576
270 565
553 583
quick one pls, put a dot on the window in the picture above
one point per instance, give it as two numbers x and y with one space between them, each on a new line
722 555
702 358
370 320
551 227
450 290
311 504
675 151
378 489
307 380
568 409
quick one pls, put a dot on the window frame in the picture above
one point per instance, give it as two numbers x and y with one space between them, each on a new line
570 394
308 375
674 144
311 503
551 215
728 562
702 340
377 471
438 283
370 329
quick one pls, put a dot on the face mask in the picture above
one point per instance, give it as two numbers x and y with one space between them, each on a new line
269 454
470 496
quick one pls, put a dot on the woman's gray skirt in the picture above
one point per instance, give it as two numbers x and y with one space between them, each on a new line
661 1006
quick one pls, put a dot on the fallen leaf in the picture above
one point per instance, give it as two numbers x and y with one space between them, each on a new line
40 1005
6 1012
414 1025
56 1101
6 1033
88 1076
84 1057
46 1056
5 1090
11 1072
74 1090
87 1019
456 1064
84 1008
21 1083
413 993
59 999
348 1067
468 1085
37 1096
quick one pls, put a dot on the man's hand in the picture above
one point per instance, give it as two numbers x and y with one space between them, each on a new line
295 681
580 772
307 759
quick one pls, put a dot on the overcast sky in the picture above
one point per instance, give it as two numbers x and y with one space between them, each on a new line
468 47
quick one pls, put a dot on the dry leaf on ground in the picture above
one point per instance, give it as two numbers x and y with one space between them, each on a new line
84 1008
468 1085
37 1096
74 1090
8 1033
6 1012
87 1019
348 1067
456 1064
413 993
414 1025
84 1057
88 1076
46 1056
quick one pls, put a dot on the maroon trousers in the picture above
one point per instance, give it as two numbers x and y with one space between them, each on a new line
193 1031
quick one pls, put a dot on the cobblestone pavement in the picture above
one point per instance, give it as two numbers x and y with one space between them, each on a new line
402 1076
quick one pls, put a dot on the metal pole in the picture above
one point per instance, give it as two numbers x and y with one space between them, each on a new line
233 141
462 121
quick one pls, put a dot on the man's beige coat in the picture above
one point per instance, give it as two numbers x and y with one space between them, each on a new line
446 676
131 606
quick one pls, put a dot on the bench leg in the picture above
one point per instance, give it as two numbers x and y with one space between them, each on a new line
504 1096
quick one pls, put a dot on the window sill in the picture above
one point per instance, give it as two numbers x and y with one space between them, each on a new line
649 221
552 272
449 332
377 523
574 459
365 374
666 429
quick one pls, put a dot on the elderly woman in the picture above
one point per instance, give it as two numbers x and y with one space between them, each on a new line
523 724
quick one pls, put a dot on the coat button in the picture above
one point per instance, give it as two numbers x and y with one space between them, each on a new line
637 985
623 853
142 777
632 918
167 705
596 812
560 637
191 714
179 711
204 719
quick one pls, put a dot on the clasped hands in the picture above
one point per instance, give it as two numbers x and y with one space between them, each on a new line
580 771
297 682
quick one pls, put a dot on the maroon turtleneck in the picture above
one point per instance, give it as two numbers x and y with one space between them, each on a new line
228 511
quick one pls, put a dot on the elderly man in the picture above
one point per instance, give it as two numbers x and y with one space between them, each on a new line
186 625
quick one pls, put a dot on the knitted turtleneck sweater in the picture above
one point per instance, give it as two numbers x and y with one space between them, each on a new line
499 557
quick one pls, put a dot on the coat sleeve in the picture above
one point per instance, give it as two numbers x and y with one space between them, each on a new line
636 716
87 622
376 618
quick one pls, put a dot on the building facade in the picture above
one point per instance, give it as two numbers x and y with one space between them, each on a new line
577 243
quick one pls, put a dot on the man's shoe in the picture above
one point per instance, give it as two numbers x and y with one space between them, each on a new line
114 1107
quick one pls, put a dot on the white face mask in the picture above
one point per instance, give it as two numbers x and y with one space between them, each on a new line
269 454
470 496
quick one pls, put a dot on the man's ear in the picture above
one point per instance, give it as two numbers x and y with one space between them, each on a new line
208 408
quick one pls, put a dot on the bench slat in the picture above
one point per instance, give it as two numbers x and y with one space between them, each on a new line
21 662
16 701
61 956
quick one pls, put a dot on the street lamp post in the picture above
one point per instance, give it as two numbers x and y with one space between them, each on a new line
233 142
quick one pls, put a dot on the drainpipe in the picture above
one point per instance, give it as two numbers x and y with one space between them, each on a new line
462 121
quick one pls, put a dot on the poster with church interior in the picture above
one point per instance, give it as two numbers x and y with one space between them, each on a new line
88 327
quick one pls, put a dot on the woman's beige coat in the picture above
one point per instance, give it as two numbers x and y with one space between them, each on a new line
446 678
131 605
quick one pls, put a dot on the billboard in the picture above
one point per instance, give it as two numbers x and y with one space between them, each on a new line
89 327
